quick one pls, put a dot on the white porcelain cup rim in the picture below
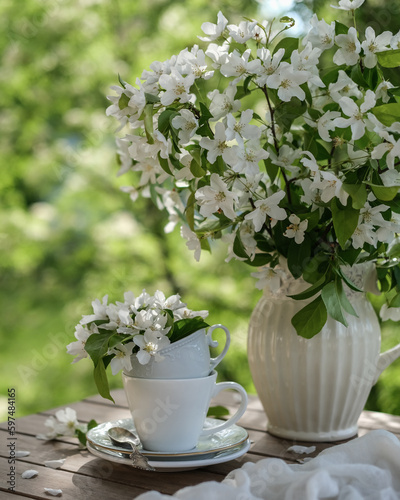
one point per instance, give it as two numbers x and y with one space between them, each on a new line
212 343
217 388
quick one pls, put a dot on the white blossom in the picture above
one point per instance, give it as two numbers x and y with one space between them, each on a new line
270 64
348 4
288 81
243 32
381 91
223 103
193 242
325 124
187 124
395 41
391 147
214 31
357 115
216 197
149 344
240 66
344 87
122 358
389 313
373 44
296 229
269 278
330 186
241 129
349 48
246 159
176 87
321 34
217 146
267 207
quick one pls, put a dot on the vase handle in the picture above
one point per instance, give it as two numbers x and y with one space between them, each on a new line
385 359
213 343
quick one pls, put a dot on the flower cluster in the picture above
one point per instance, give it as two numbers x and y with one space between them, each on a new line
139 326
65 423
278 146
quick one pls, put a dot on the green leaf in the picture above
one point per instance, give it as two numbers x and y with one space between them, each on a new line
217 411
122 82
189 211
332 303
238 247
310 320
81 437
164 120
389 58
313 220
287 112
260 259
289 44
340 28
358 193
344 301
312 290
348 282
148 123
316 268
387 113
394 251
299 256
385 193
185 327
272 170
164 164
123 101
196 169
97 345
345 221
395 302
349 255
100 378
205 114
150 98
358 77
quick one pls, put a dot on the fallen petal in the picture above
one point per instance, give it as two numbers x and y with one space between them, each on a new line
55 464
52 492
302 449
20 454
29 473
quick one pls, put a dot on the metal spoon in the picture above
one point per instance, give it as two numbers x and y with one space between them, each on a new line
121 436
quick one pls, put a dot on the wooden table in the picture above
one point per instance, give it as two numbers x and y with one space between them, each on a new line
84 476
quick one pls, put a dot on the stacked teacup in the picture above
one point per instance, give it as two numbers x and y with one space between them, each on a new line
169 397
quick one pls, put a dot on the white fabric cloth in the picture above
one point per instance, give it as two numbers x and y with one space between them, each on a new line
366 468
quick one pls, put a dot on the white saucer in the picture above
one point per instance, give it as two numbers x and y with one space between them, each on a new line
224 440
179 463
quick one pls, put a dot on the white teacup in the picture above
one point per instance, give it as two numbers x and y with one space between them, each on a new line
169 415
186 358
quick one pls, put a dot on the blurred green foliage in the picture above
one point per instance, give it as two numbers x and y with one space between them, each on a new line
67 233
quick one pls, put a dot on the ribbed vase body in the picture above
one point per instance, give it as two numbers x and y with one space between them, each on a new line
312 389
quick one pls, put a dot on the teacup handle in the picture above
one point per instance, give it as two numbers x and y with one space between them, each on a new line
221 386
215 361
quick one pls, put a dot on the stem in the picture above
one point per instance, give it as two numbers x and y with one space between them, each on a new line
272 111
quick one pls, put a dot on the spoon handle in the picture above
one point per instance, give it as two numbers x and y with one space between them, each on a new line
139 461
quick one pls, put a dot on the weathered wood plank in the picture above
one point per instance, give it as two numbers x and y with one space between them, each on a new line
7 495
83 462
74 486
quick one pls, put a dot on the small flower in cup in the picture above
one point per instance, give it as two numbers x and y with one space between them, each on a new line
140 326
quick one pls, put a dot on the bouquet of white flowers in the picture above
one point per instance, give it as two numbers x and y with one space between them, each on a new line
278 146
140 326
